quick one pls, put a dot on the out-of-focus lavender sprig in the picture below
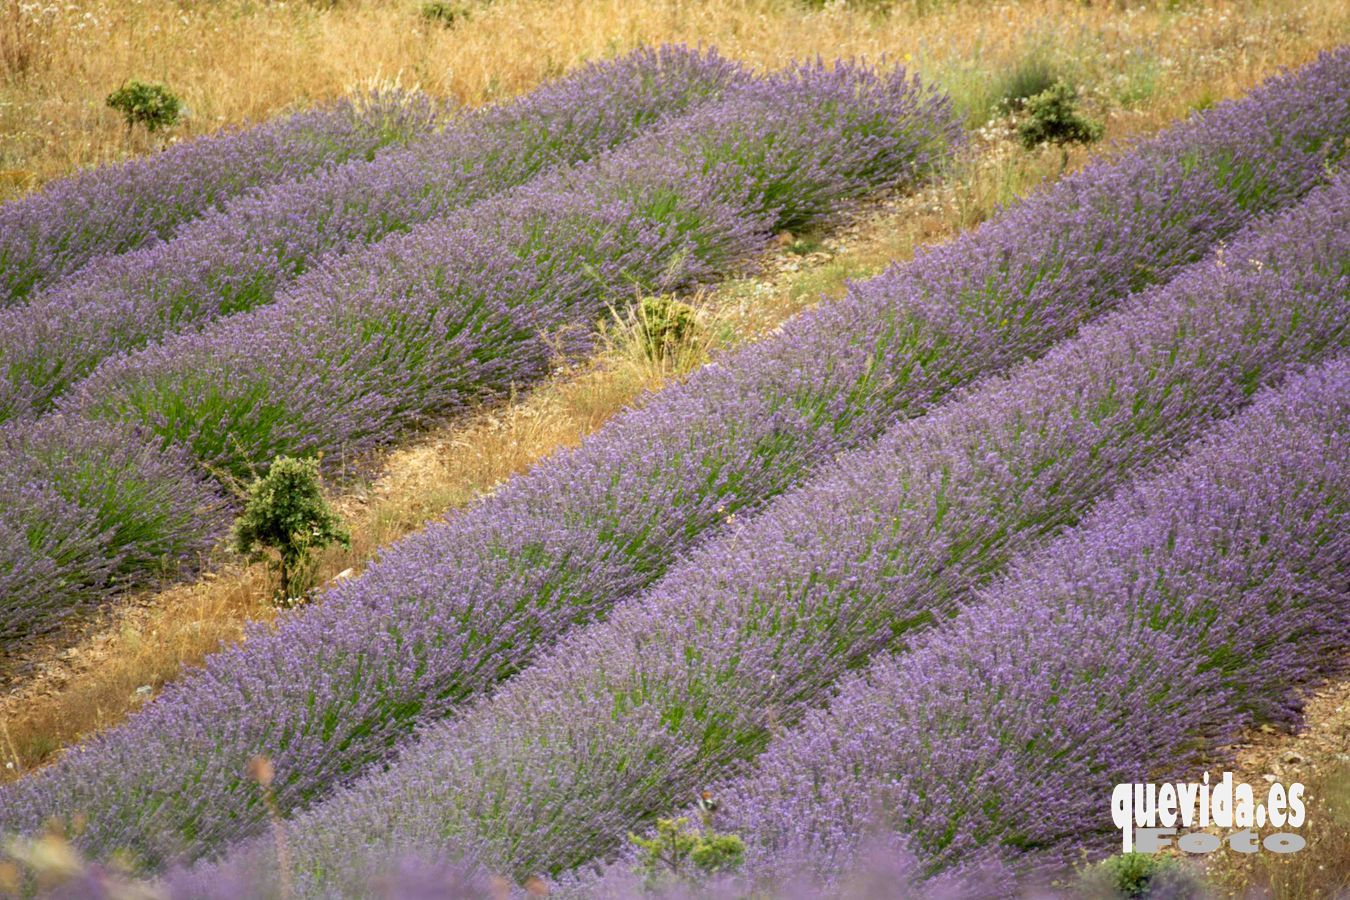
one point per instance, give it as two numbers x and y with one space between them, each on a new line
50 868
1130 650
887 868
92 507
451 611
884 866
687 683
462 311
424 872
237 258
114 209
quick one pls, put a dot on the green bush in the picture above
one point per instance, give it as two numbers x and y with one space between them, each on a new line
445 12
152 105
286 513
1052 117
677 850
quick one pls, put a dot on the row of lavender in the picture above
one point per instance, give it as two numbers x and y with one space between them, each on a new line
239 257
455 312
87 508
110 210
468 308
1194 604
450 612
85 515
687 683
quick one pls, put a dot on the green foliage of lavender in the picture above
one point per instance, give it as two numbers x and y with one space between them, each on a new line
448 613
113 209
239 257
1198 601
90 508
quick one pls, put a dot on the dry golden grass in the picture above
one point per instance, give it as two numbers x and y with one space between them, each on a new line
1319 758
239 60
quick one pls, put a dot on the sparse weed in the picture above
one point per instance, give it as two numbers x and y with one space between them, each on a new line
446 13
678 850
1139 875
1033 74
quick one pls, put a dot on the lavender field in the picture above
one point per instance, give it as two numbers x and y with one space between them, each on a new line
883 602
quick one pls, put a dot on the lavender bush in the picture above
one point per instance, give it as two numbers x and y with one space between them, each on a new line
463 310
1194 603
450 611
239 257
97 509
113 209
1140 218
51 556
687 683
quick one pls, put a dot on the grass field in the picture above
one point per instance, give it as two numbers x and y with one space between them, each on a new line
235 62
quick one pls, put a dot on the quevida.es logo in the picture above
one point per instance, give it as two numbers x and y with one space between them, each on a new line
1150 815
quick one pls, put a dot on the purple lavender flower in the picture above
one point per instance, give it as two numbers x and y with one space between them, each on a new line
687 683
451 611
462 310
237 258
52 557
423 872
47 236
97 510
1193 603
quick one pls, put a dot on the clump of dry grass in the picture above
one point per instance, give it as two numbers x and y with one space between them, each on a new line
25 39
1318 756
1322 867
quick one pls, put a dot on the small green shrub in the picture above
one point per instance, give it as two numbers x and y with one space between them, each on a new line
1140 875
445 12
1205 101
664 327
152 105
677 850
286 513
1052 117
